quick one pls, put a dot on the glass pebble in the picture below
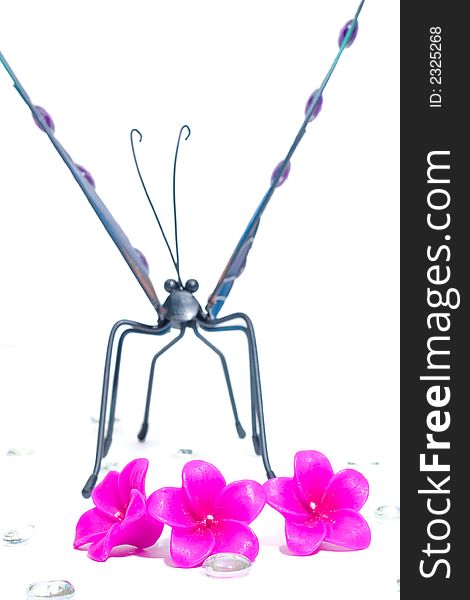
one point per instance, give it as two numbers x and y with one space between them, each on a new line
56 588
184 451
226 564
387 513
20 451
186 454
46 116
363 462
109 466
18 536
94 419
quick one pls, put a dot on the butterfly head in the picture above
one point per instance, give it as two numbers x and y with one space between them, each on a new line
181 306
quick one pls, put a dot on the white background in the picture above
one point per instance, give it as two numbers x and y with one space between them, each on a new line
321 283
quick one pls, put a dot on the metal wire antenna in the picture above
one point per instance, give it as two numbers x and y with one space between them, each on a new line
174 260
174 195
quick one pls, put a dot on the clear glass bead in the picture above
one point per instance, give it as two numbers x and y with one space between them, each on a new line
387 513
109 465
20 451
226 564
184 452
17 536
95 419
56 588
363 463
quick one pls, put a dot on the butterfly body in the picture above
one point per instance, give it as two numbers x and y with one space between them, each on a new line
181 310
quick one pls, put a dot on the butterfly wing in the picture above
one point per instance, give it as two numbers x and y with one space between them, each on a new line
237 261
132 256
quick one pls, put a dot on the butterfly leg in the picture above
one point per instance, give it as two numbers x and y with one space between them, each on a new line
256 383
146 330
257 412
145 425
241 432
91 482
254 417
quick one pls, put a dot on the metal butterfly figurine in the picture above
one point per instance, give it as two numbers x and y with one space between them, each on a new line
181 310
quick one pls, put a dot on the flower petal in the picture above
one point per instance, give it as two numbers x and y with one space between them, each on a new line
132 477
106 495
347 489
137 506
202 483
240 500
348 529
312 474
282 495
137 529
92 526
190 547
304 538
234 536
170 506
101 549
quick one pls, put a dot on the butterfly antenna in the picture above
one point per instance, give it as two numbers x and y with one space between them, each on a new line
174 193
175 262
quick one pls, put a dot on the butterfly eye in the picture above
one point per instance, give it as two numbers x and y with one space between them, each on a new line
170 285
191 286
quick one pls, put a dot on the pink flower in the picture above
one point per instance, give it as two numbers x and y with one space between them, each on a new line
207 516
120 516
320 506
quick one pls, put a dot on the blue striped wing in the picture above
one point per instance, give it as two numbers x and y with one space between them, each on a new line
132 256
237 261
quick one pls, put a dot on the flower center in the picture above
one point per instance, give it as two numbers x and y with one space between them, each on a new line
119 515
313 506
209 520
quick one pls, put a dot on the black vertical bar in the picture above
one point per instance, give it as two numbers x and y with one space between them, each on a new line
435 333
